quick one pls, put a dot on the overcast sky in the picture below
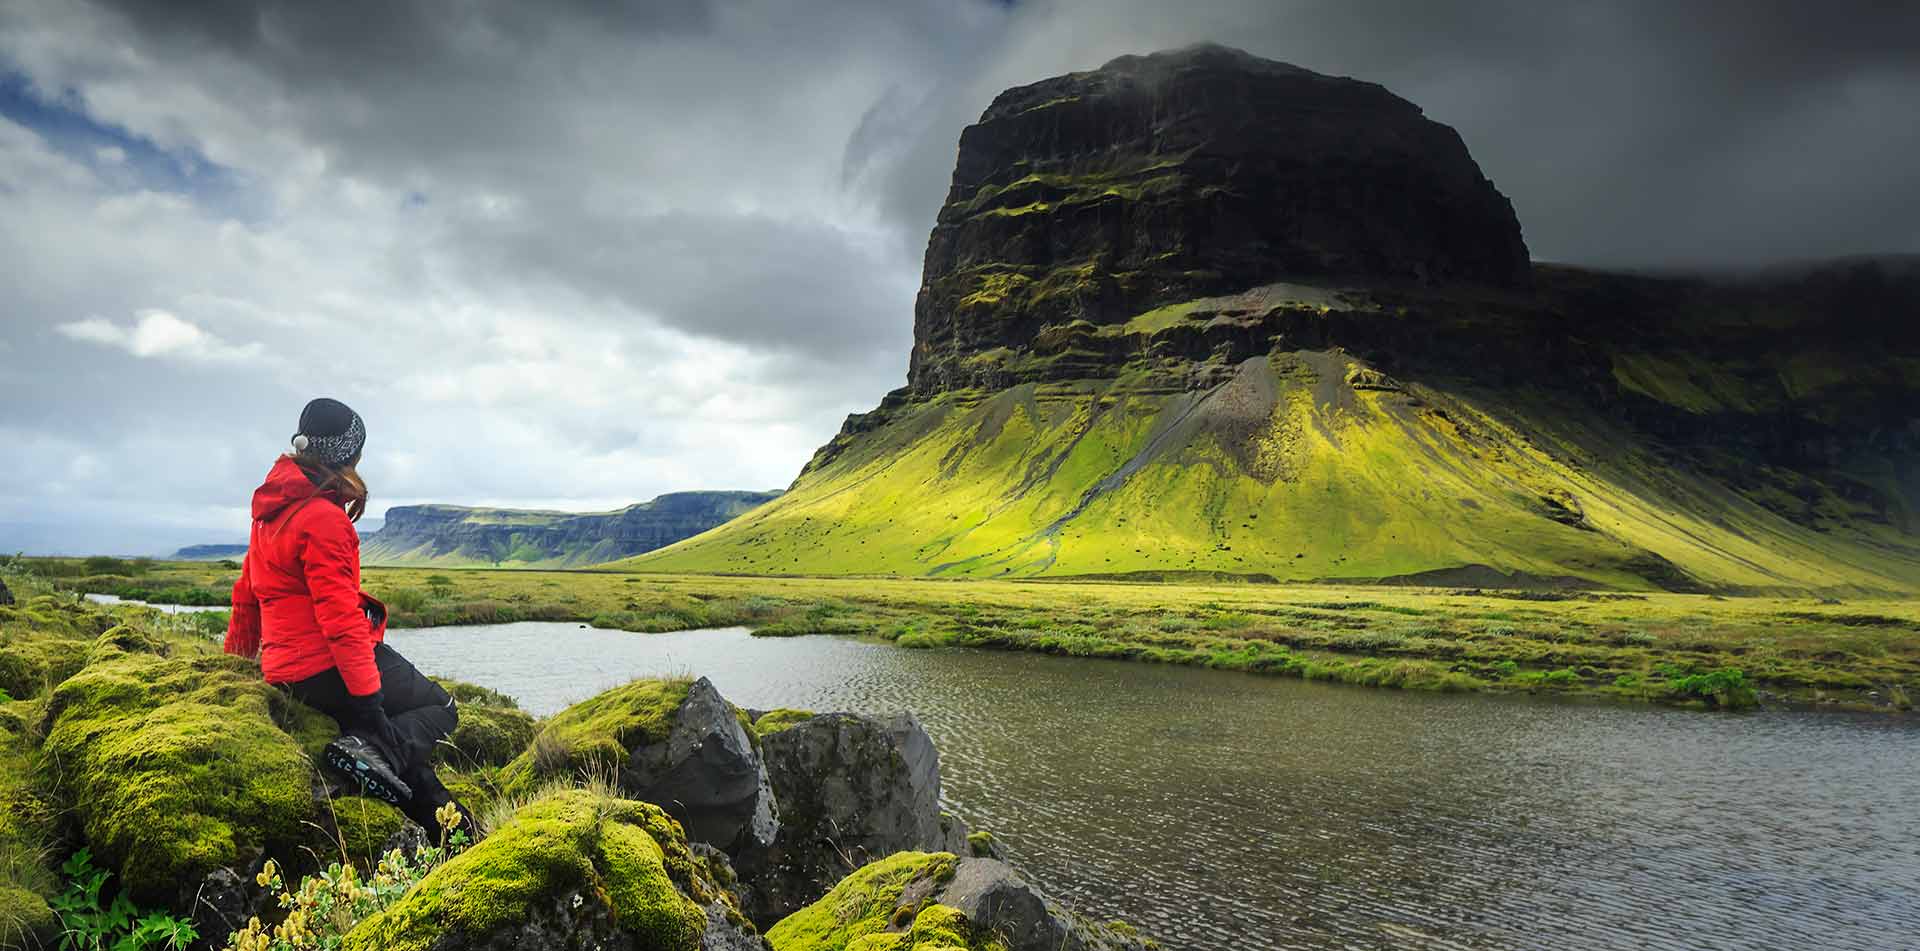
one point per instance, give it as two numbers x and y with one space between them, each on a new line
568 258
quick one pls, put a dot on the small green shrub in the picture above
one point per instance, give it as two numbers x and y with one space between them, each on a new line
86 925
329 903
405 599
1726 687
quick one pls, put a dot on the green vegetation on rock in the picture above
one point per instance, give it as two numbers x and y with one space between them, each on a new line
592 737
177 759
860 911
773 721
626 855
492 729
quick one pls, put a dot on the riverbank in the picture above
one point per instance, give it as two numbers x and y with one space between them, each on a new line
1692 650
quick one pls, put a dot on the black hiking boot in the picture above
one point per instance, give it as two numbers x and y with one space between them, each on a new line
365 769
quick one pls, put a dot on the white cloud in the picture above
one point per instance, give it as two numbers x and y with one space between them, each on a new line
156 333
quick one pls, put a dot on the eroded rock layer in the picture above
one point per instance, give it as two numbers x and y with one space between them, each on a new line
1101 195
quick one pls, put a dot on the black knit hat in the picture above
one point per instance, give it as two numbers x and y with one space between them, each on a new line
331 432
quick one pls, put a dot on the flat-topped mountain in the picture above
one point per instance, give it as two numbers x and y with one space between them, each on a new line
1099 196
1200 314
459 535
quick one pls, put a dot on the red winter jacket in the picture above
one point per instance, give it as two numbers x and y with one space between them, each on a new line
298 602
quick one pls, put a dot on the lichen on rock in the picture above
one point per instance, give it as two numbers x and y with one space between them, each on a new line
575 869
851 789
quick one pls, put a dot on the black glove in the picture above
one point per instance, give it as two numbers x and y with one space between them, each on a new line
367 718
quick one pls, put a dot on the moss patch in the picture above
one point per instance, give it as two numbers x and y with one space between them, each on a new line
486 736
935 928
773 721
26 921
594 735
176 763
43 642
863 906
629 855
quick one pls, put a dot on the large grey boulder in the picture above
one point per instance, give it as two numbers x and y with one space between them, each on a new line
707 775
851 789
994 896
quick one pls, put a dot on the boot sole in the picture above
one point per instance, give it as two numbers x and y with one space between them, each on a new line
364 776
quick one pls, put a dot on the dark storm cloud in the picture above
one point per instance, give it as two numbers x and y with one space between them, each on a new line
1639 134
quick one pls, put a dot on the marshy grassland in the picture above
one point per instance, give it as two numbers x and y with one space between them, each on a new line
1698 650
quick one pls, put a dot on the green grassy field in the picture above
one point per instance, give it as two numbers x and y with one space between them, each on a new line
1670 648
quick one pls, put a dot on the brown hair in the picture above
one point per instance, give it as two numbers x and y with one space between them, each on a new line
342 480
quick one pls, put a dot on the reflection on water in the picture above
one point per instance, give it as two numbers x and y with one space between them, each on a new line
1225 811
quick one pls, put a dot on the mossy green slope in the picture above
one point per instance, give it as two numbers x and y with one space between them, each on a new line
1304 465
629 856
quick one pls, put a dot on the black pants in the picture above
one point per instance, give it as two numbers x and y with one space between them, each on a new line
421 712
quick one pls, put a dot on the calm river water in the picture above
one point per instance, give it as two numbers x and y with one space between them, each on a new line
1224 811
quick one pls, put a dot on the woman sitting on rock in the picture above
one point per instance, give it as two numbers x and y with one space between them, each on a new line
298 606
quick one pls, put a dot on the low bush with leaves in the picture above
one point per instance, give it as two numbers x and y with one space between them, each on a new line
328 904
86 925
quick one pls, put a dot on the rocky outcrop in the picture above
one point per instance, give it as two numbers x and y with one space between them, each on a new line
993 895
676 743
916 901
851 789
573 870
1153 180
455 535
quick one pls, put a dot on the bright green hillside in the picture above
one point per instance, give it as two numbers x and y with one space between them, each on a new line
1303 465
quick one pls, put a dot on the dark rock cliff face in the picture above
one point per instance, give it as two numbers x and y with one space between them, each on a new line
1098 196
423 534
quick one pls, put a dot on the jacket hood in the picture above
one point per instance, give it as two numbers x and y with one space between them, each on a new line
286 484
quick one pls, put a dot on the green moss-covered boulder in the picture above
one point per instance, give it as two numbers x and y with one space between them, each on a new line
676 743
574 870
43 643
597 735
871 901
921 901
177 760
935 928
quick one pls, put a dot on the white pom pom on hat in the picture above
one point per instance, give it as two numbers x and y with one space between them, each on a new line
300 444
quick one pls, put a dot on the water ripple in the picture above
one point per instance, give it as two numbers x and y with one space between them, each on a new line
1218 810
